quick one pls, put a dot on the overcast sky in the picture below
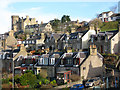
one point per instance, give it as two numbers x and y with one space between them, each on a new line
50 9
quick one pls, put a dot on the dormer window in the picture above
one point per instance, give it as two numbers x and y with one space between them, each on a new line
52 61
41 61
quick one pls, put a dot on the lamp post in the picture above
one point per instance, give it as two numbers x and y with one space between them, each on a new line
12 48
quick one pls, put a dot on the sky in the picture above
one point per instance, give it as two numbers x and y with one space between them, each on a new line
50 9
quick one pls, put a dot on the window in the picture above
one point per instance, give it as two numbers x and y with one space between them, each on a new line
106 14
38 71
52 61
69 61
84 68
45 61
68 76
41 61
111 18
65 77
32 42
113 39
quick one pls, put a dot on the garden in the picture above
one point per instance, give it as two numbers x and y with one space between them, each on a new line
28 80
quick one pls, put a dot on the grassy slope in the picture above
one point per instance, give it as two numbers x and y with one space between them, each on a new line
108 26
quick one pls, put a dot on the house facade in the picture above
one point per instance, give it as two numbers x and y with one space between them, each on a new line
105 16
77 41
84 64
107 42
20 23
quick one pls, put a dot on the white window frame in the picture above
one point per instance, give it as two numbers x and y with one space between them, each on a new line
52 61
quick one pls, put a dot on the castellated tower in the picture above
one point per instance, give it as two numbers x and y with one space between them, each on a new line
15 22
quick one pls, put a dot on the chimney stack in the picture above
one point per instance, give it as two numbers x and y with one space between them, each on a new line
91 27
93 49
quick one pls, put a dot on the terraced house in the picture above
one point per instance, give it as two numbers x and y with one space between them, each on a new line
107 42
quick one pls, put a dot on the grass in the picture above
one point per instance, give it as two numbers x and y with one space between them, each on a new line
109 26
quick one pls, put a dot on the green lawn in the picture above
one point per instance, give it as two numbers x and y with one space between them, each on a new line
109 26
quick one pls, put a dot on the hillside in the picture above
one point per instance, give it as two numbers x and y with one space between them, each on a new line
108 26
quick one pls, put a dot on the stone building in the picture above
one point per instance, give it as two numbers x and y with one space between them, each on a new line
77 40
20 23
8 41
83 64
107 42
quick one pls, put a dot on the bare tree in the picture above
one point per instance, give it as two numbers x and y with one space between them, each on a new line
113 8
96 22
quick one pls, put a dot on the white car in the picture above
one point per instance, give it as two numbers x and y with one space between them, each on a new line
93 82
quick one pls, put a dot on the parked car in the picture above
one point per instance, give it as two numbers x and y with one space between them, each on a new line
93 82
77 87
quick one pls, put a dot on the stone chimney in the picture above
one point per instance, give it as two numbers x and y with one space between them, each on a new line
77 21
41 22
97 30
91 27
28 36
69 50
93 49
36 22
27 17
11 33
42 36
22 48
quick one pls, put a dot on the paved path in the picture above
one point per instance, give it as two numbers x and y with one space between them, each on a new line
69 85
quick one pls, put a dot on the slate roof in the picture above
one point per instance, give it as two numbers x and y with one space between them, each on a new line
43 25
81 55
114 32
62 37
74 35
115 15
45 56
68 55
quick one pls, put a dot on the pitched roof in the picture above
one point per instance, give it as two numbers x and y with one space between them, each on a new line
115 14
106 12
74 35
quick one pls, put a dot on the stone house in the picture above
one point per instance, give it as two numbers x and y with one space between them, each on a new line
105 16
77 40
51 41
47 63
32 28
35 42
84 64
46 28
107 42
62 66
9 41
3 38
8 56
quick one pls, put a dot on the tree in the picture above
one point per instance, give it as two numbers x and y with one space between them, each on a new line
65 18
55 23
28 79
96 22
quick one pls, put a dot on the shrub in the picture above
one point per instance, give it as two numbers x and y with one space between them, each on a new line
40 83
28 79
29 71
5 81
46 81
53 82
17 78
